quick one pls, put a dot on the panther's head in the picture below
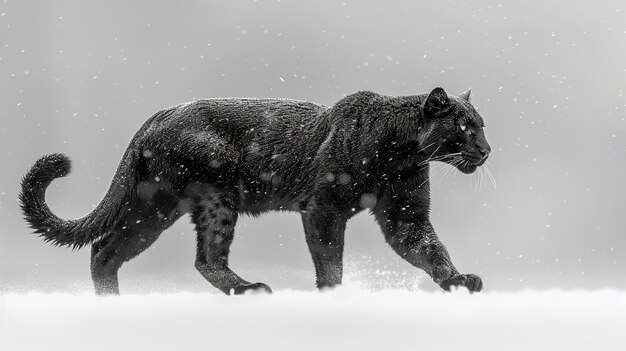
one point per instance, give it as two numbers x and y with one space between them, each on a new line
453 131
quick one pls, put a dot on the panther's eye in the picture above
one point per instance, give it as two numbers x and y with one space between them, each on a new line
463 127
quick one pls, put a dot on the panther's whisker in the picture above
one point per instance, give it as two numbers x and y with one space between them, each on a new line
426 147
443 167
429 157
425 180
437 149
452 172
455 164
485 170
483 177
479 179
490 174
457 161
453 169
439 158
437 169
451 160
451 156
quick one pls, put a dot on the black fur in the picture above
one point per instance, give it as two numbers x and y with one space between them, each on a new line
218 158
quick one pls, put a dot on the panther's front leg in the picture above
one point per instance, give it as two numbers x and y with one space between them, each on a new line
324 232
414 239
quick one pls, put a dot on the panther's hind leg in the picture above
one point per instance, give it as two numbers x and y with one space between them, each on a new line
214 215
104 266
139 229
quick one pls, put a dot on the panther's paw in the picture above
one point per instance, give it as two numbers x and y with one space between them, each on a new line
252 288
471 281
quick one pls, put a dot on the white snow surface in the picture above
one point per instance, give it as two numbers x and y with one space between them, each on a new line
343 319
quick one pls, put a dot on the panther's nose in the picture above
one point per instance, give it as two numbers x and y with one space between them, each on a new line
485 152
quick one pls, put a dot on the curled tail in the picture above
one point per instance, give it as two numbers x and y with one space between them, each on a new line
79 232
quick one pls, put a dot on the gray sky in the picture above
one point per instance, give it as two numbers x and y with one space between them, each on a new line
548 77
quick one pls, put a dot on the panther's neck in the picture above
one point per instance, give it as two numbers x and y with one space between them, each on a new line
400 123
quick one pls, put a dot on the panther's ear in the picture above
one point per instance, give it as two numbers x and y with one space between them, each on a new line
466 95
437 99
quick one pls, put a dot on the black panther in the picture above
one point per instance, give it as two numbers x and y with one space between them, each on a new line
218 158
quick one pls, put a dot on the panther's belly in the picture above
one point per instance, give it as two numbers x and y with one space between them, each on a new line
261 198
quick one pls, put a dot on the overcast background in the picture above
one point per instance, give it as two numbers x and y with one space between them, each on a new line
548 77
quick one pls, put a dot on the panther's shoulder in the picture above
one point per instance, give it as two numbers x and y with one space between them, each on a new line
354 105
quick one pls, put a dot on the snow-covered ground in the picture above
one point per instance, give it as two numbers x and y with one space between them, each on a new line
343 319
